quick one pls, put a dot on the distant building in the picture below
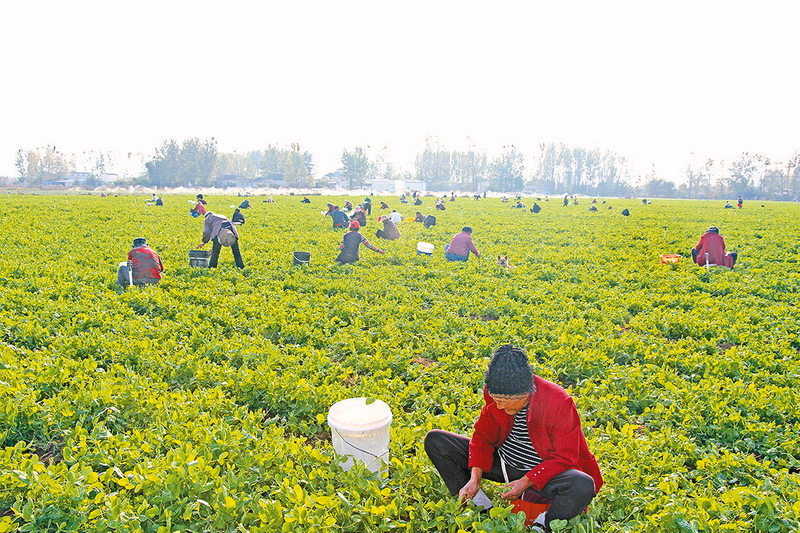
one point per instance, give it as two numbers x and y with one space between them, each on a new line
232 180
395 186
531 188
411 185
273 179
335 179
381 186
69 179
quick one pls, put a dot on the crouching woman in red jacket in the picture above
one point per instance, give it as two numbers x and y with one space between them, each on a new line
529 433
713 245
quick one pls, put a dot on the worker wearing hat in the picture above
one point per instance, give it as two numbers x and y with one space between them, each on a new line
221 232
389 231
350 243
144 265
359 216
528 435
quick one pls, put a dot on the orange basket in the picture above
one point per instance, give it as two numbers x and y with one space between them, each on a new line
670 258
530 509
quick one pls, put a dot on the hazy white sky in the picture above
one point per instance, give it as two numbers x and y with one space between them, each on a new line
651 81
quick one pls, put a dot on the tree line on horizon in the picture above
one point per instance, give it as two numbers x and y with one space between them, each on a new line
555 169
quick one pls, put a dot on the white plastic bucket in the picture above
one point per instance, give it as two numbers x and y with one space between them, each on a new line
360 431
424 248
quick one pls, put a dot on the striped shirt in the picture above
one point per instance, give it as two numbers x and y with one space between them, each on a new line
517 450
350 244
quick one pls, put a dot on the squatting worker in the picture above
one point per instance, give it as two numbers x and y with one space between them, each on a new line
531 427
359 216
713 244
389 231
395 217
350 242
144 264
460 246
220 230
339 218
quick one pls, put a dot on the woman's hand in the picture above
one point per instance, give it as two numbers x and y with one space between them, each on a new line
469 490
516 488
201 245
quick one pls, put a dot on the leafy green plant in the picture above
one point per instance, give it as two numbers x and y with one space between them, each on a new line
200 404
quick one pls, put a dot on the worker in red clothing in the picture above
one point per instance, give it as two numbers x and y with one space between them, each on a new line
199 207
144 266
528 435
713 245
145 263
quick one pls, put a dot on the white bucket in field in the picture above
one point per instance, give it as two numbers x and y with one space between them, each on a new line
360 431
424 248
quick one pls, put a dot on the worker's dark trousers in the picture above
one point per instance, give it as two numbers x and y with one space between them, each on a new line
382 235
569 492
237 256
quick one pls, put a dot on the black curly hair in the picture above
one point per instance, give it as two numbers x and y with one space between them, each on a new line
509 373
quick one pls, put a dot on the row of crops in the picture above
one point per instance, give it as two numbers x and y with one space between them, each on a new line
199 404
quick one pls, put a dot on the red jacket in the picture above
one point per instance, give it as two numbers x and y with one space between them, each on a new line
555 431
146 265
714 244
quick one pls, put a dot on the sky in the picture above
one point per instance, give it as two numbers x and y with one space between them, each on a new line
659 83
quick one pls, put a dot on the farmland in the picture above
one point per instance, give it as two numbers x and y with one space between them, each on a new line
199 404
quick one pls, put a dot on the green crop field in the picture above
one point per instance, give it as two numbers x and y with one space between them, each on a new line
200 404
